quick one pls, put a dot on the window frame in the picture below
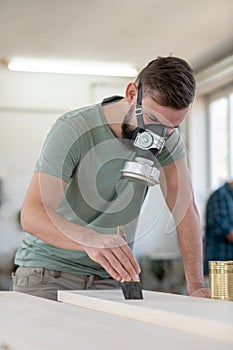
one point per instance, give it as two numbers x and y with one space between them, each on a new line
226 91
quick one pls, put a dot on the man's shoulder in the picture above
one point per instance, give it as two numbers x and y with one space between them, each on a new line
80 113
174 138
219 193
81 120
174 149
221 190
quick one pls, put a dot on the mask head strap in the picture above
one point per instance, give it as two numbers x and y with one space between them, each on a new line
138 110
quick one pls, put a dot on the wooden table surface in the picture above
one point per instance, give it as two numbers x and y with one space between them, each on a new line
198 316
31 323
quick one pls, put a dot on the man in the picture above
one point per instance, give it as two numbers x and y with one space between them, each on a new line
219 226
78 195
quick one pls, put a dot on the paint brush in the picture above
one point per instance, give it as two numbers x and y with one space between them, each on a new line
131 289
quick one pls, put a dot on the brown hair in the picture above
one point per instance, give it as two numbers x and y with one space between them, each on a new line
169 81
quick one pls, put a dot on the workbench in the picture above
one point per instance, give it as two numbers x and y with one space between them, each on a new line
28 322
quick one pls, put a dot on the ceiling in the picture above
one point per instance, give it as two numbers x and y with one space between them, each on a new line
127 31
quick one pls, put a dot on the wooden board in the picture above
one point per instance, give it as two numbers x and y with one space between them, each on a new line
199 316
28 322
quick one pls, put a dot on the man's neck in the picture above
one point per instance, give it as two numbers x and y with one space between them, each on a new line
115 114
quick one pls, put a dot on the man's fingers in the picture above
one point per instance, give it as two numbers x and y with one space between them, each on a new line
201 293
126 250
127 261
115 256
122 267
103 261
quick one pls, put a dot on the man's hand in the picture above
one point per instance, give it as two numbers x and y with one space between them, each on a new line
200 293
229 237
113 253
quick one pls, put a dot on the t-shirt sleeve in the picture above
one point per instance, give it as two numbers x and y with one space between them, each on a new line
60 153
173 150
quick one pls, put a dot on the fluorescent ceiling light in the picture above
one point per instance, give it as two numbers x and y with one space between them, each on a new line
71 67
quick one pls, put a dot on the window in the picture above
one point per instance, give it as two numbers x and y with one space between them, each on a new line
220 139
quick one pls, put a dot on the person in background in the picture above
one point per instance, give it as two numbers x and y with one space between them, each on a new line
218 240
78 195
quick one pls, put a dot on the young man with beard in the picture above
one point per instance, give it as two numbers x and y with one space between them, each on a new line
78 195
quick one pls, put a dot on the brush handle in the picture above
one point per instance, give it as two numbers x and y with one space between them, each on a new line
121 232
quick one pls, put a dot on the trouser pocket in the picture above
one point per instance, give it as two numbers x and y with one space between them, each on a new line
28 277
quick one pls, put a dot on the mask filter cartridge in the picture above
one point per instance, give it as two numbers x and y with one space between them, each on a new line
141 170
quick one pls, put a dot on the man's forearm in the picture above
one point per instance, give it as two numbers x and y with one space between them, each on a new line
190 243
177 189
51 228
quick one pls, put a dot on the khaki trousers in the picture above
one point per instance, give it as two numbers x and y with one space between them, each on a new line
45 283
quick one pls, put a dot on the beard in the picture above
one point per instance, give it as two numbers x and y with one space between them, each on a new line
127 129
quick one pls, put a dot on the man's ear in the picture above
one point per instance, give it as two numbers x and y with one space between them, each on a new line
131 92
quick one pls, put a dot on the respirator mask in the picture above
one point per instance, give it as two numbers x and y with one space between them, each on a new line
148 142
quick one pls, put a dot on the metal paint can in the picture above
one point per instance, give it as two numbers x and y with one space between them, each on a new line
221 280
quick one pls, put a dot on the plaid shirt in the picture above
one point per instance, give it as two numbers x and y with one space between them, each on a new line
219 221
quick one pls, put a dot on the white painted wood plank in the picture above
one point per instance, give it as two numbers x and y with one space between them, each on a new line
198 316
28 322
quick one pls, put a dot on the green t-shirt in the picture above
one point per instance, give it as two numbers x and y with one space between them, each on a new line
82 150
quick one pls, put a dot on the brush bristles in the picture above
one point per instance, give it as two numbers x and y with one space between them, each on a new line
132 289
